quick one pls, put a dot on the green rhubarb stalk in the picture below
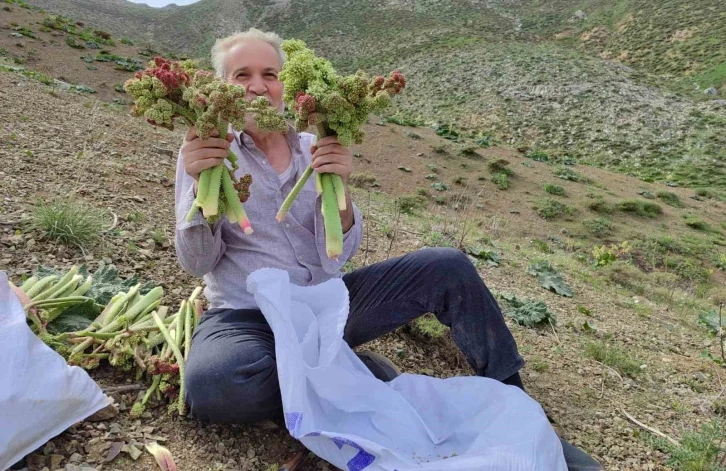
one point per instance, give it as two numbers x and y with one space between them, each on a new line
235 205
83 289
202 190
29 283
339 190
45 303
144 304
56 287
210 204
293 194
59 288
139 407
195 294
318 183
189 312
331 219
42 284
179 325
179 360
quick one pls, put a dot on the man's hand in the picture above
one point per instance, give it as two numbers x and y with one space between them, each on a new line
329 156
199 155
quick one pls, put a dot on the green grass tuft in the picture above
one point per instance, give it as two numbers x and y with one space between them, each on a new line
670 198
68 222
645 209
618 359
554 189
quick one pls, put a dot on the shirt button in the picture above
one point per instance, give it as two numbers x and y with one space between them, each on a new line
264 163
287 225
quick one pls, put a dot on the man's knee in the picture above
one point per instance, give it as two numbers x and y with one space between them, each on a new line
451 262
232 389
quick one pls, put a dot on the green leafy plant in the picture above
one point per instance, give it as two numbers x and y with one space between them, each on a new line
500 166
640 208
607 255
670 198
527 313
488 255
501 179
551 209
599 226
549 278
697 451
554 189
569 174
537 155
429 326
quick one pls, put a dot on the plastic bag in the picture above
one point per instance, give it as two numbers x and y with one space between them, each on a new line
40 394
342 413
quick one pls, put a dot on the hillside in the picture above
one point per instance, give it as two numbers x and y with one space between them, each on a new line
616 86
633 338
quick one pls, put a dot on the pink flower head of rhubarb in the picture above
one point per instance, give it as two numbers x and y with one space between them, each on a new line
158 366
395 83
304 103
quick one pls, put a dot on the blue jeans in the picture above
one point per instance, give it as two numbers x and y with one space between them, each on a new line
231 375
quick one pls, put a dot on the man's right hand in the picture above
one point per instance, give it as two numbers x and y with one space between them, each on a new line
199 155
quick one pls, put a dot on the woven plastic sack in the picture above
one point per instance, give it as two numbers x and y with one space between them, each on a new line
342 413
40 394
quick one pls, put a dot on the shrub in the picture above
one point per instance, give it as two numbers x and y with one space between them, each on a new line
71 41
408 204
554 189
537 155
501 180
500 166
670 198
569 174
605 255
551 209
695 223
599 226
640 208
362 180
601 206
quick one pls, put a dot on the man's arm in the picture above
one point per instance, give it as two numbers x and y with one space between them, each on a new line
198 244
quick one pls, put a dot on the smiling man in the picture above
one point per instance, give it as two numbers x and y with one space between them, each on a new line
231 375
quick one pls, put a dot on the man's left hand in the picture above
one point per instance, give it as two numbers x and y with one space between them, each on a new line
329 156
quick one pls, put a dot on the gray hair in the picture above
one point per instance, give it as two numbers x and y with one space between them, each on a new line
223 46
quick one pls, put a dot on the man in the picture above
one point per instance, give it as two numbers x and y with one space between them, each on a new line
230 374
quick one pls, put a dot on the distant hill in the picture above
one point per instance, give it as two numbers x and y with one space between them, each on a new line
618 84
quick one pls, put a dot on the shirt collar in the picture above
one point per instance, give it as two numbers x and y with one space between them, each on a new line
292 137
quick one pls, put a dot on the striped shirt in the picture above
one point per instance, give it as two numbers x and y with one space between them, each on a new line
224 256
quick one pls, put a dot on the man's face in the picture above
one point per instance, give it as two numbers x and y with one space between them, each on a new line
255 65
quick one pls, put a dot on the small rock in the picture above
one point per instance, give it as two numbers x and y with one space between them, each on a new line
220 448
35 461
49 448
701 377
56 460
106 413
711 91
114 428
75 458
30 243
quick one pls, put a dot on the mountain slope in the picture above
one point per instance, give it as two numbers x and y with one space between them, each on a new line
549 76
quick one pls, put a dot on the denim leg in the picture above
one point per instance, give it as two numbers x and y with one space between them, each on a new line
442 281
231 376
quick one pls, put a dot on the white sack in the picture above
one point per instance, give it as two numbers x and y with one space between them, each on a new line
40 395
342 413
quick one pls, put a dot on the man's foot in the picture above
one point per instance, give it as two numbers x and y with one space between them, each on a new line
381 367
578 460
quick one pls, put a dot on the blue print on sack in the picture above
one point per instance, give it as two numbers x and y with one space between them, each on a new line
360 461
292 421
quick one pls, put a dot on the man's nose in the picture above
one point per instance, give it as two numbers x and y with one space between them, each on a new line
256 86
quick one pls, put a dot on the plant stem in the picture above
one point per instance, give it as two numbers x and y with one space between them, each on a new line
293 194
331 219
188 329
235 205
339 187
179 359
210 205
